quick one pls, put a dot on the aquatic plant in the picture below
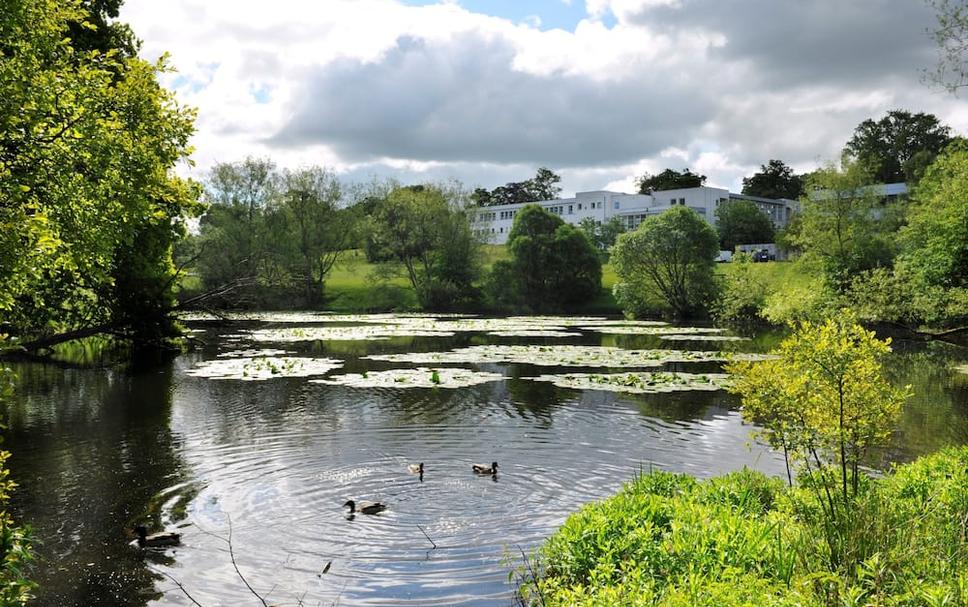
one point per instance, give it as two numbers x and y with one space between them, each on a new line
263 367
421 377
638 383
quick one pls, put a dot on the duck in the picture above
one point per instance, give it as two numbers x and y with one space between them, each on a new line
365 507
485 469
155 540
416 468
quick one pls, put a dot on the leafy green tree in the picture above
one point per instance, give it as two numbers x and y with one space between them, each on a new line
602 234
420 227
316 229
935 240
775 180
886 146
742 222
951 37
674 254
824 401
101 32
235 237
543 186
843 226
88 141
669 179
743 295
553 266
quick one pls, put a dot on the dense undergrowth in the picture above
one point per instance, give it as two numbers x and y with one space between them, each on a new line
746 539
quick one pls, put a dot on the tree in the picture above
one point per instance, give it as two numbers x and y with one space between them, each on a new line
543 186
843 226
824 401
553 265
935 240
742 222
885 147
951 37
775 180
602 235
88 141
316 228
99 32
673 253
669 179
420 227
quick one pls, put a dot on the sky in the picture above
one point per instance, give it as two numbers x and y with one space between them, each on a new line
487 91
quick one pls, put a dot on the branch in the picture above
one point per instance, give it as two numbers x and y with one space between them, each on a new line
176 582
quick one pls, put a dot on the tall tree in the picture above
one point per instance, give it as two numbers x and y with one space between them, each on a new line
669 179
951 37
673 254
888 148
742 222
422 228
843 225
602 235
89 205
100 31
553 265
775 180
317 230
543 186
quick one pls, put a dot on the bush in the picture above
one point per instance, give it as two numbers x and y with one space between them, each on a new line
743 296
15 547
745 539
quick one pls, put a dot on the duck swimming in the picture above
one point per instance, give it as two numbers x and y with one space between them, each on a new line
164 538
485 469
365 507
416 468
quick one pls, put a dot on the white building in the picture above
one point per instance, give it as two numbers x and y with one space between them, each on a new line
494 223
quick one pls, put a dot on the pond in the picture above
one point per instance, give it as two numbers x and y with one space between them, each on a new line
264 430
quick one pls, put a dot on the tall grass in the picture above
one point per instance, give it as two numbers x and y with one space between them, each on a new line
746 539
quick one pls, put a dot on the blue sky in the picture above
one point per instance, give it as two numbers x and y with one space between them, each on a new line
552 13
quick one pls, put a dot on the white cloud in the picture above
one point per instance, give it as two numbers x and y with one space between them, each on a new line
428 92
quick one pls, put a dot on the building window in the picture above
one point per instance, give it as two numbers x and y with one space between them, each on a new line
571 209
682 201
617 204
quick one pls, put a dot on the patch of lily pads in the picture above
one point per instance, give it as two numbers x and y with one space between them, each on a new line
687 337
357 333
261 368
650 330
422 377
564 355
268 352
639 383
534 333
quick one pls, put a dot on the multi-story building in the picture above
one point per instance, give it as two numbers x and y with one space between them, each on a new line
494 223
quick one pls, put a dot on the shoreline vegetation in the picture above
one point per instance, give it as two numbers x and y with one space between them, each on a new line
746 539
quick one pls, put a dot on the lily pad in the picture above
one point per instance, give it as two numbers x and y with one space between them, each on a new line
358 333
263 368
268 352
686 337
534 333
638 383
563 356
421 377
650 330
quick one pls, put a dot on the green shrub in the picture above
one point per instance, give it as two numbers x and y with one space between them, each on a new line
746 539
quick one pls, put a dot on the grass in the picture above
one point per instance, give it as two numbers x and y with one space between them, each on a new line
746 539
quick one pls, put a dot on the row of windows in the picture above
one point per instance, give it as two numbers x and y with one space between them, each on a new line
508 214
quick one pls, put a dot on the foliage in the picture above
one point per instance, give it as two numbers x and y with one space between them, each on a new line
602 235
669 179
743 296
888 148
431 237
272 232
843 227
543 186
951 37
87 143
553 265
101 32
16 552
742 222
825 403
673 254
775 180
935 241
743 539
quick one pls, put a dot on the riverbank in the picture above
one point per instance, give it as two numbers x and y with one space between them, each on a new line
746 539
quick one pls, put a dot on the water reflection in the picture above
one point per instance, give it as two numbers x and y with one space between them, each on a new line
273 462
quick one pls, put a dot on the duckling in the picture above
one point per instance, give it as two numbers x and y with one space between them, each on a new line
485 469
416 468
164 538
365 507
